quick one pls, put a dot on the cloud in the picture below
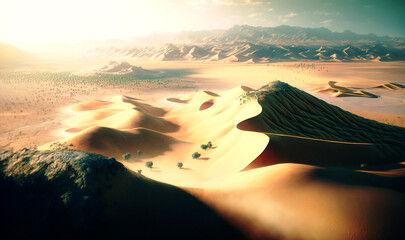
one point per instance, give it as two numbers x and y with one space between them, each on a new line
321 13
257 2
227 2
285 18
290 15
326 21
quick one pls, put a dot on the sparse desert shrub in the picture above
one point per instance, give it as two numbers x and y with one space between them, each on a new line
180 165
196 155
126 156
206 146
149 164
139 152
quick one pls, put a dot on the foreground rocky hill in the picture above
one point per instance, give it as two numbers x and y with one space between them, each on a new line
72 194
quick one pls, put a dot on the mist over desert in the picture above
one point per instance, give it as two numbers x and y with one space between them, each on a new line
260 120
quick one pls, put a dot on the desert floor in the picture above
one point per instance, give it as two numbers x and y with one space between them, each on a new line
33 109
170 117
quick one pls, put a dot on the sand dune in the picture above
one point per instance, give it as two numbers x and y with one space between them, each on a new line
121 119
119 68
295 201
114 143
316 129
338 91
319 192
194 97
392 86
251 129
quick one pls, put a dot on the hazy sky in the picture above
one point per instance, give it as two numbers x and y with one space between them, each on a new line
27 22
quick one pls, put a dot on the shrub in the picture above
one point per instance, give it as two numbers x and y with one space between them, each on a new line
149 164
196 155
126 156
206 146
179 164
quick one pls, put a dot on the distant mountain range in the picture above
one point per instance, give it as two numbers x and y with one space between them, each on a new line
259 44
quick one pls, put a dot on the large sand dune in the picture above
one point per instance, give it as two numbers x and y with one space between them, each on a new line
339 91
338 168
249 128
119 68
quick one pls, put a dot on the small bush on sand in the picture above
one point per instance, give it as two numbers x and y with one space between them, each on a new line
206 146
196 155
149 164
126 156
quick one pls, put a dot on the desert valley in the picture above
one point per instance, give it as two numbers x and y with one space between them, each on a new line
245 133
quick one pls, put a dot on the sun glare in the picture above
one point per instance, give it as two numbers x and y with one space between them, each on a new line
24 22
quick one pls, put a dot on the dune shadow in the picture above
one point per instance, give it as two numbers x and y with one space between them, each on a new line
169 73
381 167
355 178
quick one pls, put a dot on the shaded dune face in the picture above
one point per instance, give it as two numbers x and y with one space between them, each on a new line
113 142
393 86
206 104
301 127
146 108
121 125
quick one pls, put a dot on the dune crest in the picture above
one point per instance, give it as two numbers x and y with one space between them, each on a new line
393 86
338 91
318 132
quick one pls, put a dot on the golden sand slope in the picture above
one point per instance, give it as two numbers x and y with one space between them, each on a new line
252 132
295 201
249 129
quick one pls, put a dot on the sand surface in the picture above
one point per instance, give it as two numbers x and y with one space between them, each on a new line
283 164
